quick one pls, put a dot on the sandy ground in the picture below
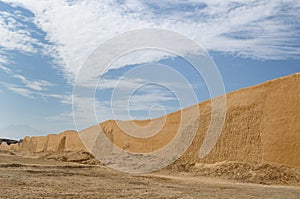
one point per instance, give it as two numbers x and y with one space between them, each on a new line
24 177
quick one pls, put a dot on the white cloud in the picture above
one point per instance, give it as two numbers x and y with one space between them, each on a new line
16 35
30 93
5 69
64 99
4 61
18 90
37 85
21 91
122 83
259 29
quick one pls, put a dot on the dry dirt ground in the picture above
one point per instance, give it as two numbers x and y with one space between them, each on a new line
25 177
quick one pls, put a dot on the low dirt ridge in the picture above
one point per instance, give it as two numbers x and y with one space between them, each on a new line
259 173
261 133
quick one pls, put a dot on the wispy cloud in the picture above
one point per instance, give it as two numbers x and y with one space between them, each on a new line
16 33
122 83
35 93
256 29
4 61
5 69
62 98
38 85
18 90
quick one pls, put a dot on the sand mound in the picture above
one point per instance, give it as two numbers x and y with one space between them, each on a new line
83 157
262 173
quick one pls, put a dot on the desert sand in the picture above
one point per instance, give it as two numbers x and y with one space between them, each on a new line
257 154
24 177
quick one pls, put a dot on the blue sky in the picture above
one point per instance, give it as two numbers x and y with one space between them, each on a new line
44 43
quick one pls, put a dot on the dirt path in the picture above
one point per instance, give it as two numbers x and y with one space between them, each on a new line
22 177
